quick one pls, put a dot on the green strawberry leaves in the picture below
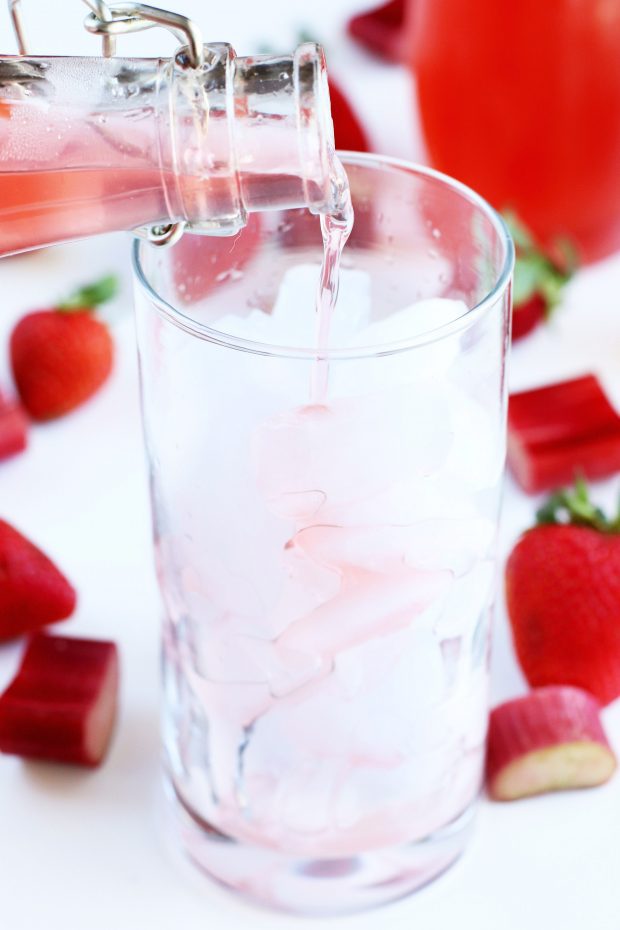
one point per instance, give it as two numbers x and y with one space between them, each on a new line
91 295
535 273
573 506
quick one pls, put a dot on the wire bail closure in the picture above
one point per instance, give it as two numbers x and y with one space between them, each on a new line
110 20
124 17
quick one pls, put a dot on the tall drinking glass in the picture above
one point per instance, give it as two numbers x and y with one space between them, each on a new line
326 560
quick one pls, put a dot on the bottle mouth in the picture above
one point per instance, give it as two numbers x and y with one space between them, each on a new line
251 134
323 177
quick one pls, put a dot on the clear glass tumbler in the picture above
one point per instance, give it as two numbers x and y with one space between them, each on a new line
327 568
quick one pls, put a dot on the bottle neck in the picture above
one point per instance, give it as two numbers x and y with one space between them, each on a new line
242 135
90 145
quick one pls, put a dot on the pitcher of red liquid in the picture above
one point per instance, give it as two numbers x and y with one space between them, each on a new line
522 102
90 145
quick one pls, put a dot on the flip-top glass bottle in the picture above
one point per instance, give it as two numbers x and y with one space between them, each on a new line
90 145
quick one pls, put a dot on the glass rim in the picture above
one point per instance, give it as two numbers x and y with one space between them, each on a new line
464 322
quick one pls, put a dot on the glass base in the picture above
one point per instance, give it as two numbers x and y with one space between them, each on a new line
320 887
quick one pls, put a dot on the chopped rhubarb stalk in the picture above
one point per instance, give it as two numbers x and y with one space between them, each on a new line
381 29
61 705
549 740
560 431
13 428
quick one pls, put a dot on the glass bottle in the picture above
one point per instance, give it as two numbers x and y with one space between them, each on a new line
91 145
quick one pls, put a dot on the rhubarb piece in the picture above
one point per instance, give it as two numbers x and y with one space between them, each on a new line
13 428
563 596
549 740
562 430
33 592
381 30
61 705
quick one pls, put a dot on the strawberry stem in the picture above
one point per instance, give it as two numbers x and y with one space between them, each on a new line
573 506
91 295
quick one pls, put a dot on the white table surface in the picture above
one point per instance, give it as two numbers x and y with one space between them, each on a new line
88 850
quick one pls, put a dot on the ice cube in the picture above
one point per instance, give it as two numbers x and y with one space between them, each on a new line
350 450
449 543
369 606
294 312
426 363
419 319
476 457
293 319
411 500
466 602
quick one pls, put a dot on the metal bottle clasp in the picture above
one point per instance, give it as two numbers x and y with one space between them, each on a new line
110 20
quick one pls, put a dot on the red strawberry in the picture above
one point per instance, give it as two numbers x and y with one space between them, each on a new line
563 597
549 740
13 429
527 315
381 29
539 280
60 357
33 592
348 131
61 705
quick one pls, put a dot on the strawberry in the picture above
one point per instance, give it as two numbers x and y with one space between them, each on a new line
549 740
60 357
348 131
13 428
527 315
381 29
33 592
563 596
61 705
539 279
560 430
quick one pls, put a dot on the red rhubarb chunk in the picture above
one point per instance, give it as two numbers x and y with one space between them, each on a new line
13 428
33 592
549 740
560 431
381 29
61 705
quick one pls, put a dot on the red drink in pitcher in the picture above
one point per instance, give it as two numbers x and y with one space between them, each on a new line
522 102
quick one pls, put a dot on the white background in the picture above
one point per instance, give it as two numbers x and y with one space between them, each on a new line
88 850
